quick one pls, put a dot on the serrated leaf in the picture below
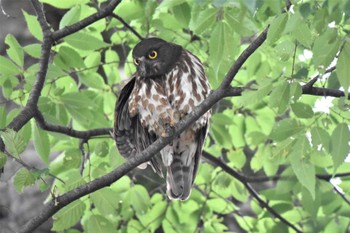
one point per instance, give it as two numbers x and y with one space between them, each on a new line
302 110
320 137
33 25
325 48
99 224
276 28
84 41
7 68
41 143
303 169
285 129
23 178
64 4
105 200
279 97
339 147
15 51
68 216
3 159
14 142
343 68
72 16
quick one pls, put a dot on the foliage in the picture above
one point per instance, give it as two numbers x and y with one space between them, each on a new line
272 129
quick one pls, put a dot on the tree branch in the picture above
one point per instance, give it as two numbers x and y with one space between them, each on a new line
69 131
250 189
59 34
52 207
127 26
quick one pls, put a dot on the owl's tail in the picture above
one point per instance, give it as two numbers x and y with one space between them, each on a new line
179 180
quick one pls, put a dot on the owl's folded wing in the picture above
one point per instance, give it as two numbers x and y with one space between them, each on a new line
131 138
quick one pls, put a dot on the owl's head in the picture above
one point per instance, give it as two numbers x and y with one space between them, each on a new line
155 57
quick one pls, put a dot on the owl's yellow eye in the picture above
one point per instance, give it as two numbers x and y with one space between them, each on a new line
136 61
152 54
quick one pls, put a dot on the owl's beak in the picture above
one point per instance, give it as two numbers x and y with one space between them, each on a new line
142 67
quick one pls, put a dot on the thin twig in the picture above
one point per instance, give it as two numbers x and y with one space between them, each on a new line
314 79
28 167
250 189
127 26
340 193
3 11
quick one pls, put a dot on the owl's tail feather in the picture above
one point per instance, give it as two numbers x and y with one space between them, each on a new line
179 180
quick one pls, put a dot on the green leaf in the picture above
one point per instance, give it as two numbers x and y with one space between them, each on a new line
303 169
220 205
33 50
102 149
221 44
204 20
153 219
303 34
64 4
68 216
68 58
99 224
3 159
71 17
15 51
105 200
139 198
253 97
279 97
325 48
302 110
320 137
339 147
7 68
33 25
276 28
41 143
285 129
84 41
222 119
23 179
343 68
14 142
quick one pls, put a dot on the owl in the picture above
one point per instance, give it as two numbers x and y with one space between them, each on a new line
168 84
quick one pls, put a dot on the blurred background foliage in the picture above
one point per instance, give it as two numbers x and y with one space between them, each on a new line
271 130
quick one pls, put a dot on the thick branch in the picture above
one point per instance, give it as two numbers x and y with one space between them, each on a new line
28 112
69 131
307 90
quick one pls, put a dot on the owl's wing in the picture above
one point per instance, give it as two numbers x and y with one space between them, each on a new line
131 138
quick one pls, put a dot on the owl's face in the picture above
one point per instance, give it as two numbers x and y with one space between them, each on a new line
155 57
